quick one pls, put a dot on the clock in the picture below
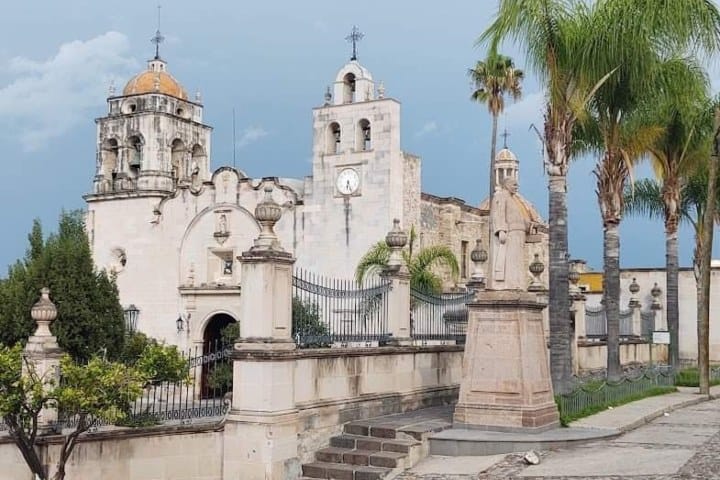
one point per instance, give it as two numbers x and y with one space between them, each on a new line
348 181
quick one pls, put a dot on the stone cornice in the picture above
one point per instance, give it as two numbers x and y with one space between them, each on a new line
320 353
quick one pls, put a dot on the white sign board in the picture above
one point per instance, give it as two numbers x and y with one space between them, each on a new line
661 337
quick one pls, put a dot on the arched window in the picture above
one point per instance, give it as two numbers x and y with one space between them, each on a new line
197 162
109 158
333 140
177 160
364 136
349 90
134 155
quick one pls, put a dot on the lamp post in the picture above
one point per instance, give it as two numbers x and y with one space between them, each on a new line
131 315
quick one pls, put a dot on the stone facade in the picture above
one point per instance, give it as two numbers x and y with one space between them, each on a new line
172 229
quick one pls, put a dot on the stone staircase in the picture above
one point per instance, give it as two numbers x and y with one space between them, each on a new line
378 448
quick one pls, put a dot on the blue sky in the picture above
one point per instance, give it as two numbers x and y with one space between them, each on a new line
271 62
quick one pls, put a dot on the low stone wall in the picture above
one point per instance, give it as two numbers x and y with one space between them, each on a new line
333 387
160 453
593 356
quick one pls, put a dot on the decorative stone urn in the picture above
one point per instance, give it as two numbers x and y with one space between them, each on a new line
396 239
537 267
267 213
634 289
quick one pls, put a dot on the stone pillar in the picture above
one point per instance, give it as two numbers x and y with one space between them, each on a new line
634 305
261 428
506 379
577 307
399 296
657 307
42 354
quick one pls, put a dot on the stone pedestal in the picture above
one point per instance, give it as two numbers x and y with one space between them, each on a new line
506 381
260 437
399 306
42 354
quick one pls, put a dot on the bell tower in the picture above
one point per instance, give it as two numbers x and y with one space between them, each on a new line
152 139
360 179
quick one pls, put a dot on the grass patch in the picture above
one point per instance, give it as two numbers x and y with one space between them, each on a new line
567 417
690 377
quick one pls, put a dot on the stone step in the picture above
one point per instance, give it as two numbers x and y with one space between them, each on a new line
338 471
373 458
359 442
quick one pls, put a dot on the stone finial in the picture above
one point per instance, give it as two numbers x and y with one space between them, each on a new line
634 289
656 291
328 96
396 239
111 88
44 313
478 256
381 90
198 96
267 213
537 267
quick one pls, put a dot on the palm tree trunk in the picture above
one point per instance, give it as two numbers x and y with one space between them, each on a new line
671 296
611 296
559 305
705 256
493 147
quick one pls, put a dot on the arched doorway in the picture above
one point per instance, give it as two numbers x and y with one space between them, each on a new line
216 379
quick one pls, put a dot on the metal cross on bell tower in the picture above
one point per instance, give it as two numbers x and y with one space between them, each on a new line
158 38
355 36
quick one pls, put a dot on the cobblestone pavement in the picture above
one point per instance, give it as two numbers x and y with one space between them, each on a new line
684 445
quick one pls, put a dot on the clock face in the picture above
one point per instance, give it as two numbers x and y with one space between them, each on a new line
348 181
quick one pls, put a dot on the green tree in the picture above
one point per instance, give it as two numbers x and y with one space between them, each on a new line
420 264
493 79
98 389
552 34
646 47
90 318
674 156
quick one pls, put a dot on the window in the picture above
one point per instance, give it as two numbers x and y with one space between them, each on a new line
333 140
349 88
463 258
177 160
134 155
364 139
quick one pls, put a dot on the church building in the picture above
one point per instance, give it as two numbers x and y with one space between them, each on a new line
171 228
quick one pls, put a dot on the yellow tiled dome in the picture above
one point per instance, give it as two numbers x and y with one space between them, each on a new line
155 80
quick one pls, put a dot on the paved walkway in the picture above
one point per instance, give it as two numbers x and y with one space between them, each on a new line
669 437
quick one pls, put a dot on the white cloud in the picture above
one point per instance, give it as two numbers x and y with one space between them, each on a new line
429 127
46 99
527 111
250 135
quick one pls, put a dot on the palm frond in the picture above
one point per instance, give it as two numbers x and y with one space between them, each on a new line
644 198
373 262
433 256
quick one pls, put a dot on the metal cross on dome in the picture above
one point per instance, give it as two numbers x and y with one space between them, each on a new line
158 38
505 135
355 36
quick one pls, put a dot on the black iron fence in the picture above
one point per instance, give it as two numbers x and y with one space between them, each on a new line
439 317
330 311
203 395
596 323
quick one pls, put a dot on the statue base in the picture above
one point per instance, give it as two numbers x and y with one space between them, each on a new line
506 382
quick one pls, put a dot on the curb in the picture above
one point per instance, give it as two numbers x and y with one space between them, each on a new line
658 413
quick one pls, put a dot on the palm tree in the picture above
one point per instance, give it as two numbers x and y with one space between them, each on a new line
647 197
674 155
420 264
636 39
494 78
552 35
